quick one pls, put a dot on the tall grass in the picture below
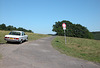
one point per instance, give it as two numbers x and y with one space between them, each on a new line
2 35
34 36
82 48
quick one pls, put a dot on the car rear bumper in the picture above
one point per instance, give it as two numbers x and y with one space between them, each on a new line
12 40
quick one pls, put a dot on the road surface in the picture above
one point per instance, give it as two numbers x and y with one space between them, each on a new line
39 54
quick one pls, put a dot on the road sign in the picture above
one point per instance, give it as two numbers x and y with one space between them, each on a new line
64 26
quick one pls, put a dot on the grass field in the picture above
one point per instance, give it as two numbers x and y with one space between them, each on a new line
31 36
82 48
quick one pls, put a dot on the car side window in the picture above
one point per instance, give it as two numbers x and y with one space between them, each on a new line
22 33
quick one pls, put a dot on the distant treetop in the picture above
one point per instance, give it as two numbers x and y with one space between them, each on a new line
10 28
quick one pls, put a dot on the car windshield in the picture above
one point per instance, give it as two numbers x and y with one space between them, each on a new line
14 33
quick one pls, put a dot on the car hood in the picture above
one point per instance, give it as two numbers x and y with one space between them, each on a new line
15 36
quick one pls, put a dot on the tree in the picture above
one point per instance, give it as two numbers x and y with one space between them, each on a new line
72 30
29 31
3 27
59 30
21 29
9 27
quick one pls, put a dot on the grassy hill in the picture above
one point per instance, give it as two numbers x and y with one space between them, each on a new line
96 35
31 36
78 47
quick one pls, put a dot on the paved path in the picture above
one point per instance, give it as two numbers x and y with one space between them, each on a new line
39 54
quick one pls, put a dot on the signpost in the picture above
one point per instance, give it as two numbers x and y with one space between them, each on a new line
64 28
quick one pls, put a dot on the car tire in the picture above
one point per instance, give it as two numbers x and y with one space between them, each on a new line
21 42
8 42
27 39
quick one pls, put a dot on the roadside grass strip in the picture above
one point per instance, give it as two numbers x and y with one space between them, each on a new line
2 35
87 49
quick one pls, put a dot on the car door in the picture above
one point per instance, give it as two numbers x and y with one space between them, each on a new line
24 36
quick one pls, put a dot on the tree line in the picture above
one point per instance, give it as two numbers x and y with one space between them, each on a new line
96 35
72 30
10 28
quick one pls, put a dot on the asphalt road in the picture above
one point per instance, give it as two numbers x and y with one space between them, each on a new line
39 54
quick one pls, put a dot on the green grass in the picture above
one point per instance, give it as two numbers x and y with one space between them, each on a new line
78 47
34 36
2 35
31 36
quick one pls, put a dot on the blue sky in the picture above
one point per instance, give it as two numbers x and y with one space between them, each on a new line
40 15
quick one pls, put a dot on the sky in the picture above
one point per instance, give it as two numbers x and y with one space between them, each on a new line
40 15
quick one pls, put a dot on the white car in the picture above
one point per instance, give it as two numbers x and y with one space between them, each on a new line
16 36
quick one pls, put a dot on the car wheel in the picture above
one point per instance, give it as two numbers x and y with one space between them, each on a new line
27 39
21 42
8 42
